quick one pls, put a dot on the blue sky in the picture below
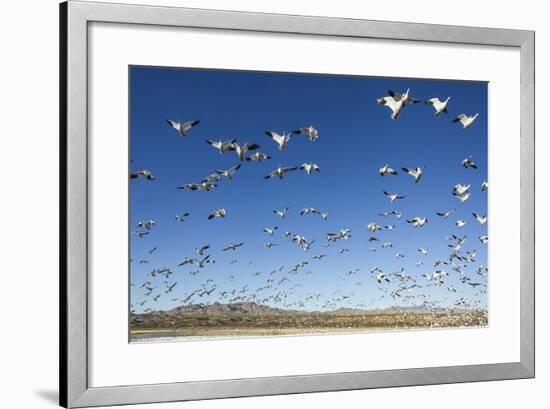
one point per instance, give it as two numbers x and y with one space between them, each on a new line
356 138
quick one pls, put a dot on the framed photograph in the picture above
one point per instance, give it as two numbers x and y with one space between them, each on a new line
243 192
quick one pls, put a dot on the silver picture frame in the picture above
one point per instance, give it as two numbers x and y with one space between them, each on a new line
75 390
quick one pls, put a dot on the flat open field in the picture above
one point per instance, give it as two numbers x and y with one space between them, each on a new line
149 327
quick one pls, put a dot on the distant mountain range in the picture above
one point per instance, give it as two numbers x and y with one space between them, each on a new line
253 309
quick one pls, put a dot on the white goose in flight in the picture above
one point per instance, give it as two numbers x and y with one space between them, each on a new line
228 173
221 146
324 215
438 105
200 250
182 127
281 140
310 132
373 227
382 277
258 156
233 246
484 239
308 210
242 149
465 120
393 196
396 102
270 231
415 173
445 214
217 213
281 213
280 171
418 221
484 186
144 173
386 170
460 223
310 167
481 219
469 163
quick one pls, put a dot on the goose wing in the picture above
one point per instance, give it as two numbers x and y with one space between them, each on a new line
190 124
276 137
395 95
288 169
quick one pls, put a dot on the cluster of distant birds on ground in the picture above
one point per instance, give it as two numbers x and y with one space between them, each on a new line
283 282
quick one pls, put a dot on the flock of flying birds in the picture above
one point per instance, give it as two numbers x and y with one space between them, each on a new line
280 287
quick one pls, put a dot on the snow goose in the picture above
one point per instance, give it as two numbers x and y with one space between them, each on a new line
228 173
465 120
484 239
281 213
200 250
445 214
382 277
310 132
393 196
269 244
233 246
241 150
469 163
217 213
484 186
280 171
439 106
424 251
324 215
415 173
280 140
310 167
258 156
418 221
182 127
460 223
181 217
308 210
373 227
481 219
299 240
396 102
271 230
306 246
221 146
386 170
144 173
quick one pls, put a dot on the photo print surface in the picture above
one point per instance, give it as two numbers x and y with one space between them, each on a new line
272 204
